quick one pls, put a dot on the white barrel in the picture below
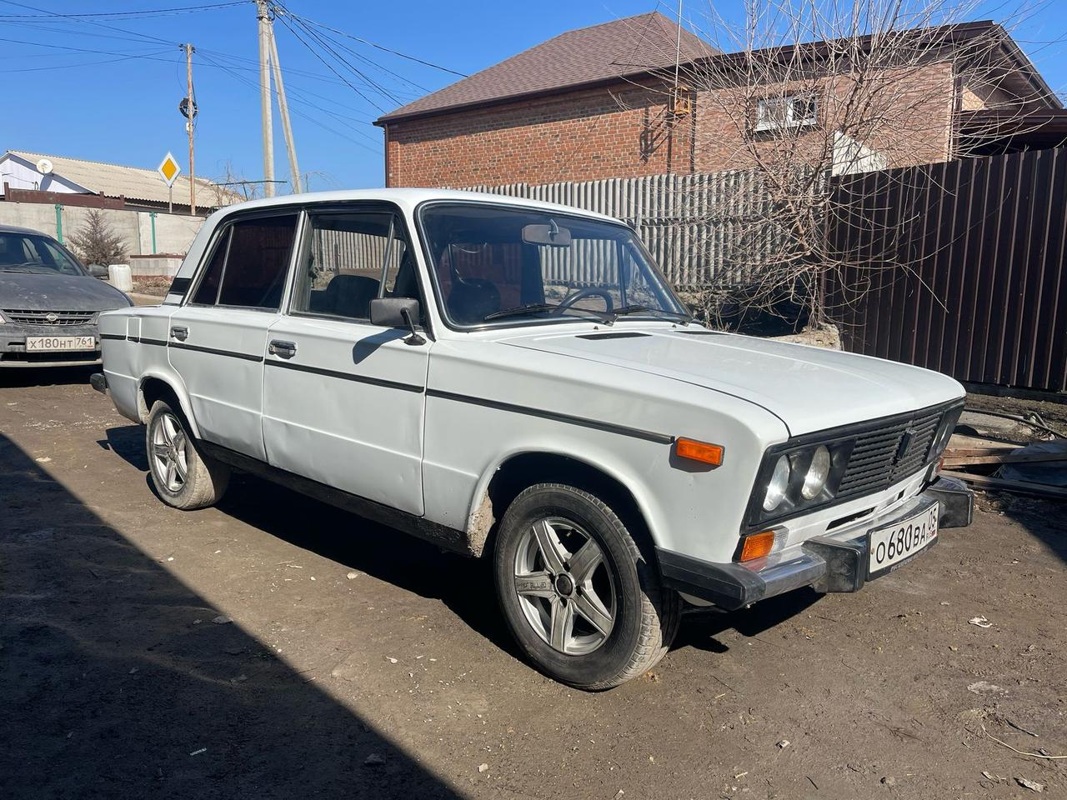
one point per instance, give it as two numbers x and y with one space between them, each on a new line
120 277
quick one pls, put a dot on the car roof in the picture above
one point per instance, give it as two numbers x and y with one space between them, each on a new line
408 198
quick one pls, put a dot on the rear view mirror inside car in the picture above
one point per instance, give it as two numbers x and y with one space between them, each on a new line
550 235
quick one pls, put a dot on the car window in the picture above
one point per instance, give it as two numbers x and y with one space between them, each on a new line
348 259
249 263
21 252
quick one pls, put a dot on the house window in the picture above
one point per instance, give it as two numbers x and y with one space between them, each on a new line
786 112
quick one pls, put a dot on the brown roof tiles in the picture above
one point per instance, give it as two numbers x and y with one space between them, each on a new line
630 46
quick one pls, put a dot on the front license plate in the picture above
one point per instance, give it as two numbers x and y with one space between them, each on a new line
901 540
47 344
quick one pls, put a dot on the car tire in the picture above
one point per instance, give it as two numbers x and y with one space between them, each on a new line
581 599
183 476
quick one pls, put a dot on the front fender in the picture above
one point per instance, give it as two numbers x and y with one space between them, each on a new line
602 460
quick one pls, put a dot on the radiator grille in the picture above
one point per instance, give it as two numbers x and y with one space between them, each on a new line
51 318
884 456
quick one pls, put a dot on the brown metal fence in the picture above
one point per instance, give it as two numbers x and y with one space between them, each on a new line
958 267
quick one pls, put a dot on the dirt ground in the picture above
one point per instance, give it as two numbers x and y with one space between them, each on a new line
275 648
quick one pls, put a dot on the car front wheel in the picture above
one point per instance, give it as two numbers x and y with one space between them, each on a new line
182 475
577 593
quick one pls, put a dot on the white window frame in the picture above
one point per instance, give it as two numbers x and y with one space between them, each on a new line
786 112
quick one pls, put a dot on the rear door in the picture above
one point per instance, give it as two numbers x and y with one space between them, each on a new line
217 340
344 400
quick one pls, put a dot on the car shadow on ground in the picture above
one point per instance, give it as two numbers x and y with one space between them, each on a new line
115 682
701 627
463 585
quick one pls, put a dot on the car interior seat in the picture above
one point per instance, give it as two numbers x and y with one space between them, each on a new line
350 296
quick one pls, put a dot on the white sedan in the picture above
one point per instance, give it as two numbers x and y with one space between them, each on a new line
517 381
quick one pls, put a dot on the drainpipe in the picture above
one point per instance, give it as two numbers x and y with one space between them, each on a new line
152 216
59 223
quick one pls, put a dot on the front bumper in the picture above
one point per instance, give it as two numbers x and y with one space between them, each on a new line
833 563
13 352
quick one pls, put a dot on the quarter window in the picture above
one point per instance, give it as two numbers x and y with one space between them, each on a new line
249 264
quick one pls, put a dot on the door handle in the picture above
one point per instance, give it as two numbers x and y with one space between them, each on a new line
282 349
179 332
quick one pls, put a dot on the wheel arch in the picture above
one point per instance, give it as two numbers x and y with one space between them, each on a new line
518 471
156 386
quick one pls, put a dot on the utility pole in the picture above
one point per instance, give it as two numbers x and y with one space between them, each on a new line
188 109
283 108
263 15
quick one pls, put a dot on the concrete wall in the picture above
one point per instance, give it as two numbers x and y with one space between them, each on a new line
174 232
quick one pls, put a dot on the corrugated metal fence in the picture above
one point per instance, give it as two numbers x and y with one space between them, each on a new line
702 230
962 267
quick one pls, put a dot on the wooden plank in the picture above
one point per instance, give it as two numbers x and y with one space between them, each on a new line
979 451
1007 458
1019 487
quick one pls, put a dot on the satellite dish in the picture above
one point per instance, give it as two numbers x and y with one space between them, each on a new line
44 166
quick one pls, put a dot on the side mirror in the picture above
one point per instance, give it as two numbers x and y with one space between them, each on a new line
98 271
397 312
389 312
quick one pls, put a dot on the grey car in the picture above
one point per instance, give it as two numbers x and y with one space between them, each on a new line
49 303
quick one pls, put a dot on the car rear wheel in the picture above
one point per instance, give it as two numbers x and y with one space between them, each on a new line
579 596
184 477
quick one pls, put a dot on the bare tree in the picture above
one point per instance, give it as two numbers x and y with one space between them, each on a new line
810 90
96 242
233 187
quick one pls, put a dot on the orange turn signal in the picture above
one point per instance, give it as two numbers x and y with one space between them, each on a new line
757 545
699 451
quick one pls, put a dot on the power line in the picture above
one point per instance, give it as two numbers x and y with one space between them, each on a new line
310 118
57 15
118 14
306 24
83 64
378 46
332 69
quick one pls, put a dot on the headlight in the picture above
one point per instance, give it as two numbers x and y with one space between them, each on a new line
818 472
779 483
795 479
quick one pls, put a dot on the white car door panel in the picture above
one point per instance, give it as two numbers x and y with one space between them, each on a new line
343 404
219 354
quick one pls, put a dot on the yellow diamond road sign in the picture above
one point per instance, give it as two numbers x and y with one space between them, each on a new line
169 169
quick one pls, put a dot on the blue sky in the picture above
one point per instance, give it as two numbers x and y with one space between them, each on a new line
103 80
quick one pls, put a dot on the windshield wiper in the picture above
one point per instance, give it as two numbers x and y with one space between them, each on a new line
32 269
540 308
639 309
520 311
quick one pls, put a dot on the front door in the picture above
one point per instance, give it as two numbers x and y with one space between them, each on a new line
344 400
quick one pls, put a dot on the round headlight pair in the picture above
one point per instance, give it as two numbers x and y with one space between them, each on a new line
814 479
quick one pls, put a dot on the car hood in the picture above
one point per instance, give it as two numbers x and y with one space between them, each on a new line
26 291
808 388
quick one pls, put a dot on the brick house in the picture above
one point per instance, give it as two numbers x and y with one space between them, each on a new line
633 97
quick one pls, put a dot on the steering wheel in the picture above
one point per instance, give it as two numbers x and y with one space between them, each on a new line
589 291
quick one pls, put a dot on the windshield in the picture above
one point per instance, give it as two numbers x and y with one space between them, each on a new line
35 253
494 265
